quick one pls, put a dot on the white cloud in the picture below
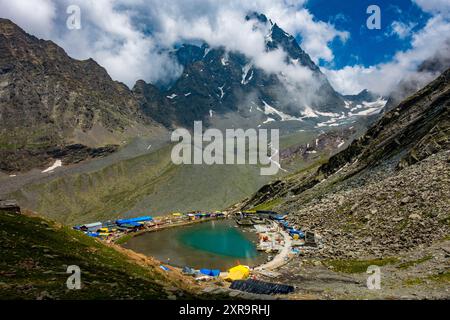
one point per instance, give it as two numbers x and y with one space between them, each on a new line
434 6
114 35
402 30
384 77
35 17
110 37
113 32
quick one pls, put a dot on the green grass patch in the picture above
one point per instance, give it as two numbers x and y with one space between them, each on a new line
408 264
443 277
358 266
269 205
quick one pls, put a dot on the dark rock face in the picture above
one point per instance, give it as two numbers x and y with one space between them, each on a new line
45 96
154 104
364 95
10 206
43 88
23 160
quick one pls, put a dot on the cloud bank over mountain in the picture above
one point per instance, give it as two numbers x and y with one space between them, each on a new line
382 78
132 38
129 37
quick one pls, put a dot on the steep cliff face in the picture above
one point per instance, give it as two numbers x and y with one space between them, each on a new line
48 100
154 104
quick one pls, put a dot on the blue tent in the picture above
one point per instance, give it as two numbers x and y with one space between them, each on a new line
134 220
164 268
285 224
278 217
212 273
93 234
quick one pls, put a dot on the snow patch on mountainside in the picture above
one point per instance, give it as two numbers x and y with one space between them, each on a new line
224 60
369 108
222 93
327 114
269 120
245 71
57 164
207 50
268 109
308 112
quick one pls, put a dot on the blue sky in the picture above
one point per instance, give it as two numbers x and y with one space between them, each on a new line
116 34
368 47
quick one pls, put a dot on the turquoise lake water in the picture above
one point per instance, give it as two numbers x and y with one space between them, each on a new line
216 244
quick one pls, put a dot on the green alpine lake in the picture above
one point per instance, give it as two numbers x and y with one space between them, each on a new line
216 244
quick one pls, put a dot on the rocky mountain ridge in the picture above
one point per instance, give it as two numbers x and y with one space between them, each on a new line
385 193
217 85
49 100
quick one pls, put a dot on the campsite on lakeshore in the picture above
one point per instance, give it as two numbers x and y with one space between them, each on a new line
212 245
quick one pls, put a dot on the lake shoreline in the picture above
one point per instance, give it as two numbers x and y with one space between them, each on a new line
215 244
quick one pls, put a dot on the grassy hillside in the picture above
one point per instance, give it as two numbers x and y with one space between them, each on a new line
37 252
149 183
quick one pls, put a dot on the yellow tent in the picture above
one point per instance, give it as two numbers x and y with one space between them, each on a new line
103 234
238 273
177 214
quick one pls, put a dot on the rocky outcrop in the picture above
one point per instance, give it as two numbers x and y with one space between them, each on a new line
9 206
383 216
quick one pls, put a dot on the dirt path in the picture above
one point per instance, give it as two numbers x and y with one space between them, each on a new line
280 258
